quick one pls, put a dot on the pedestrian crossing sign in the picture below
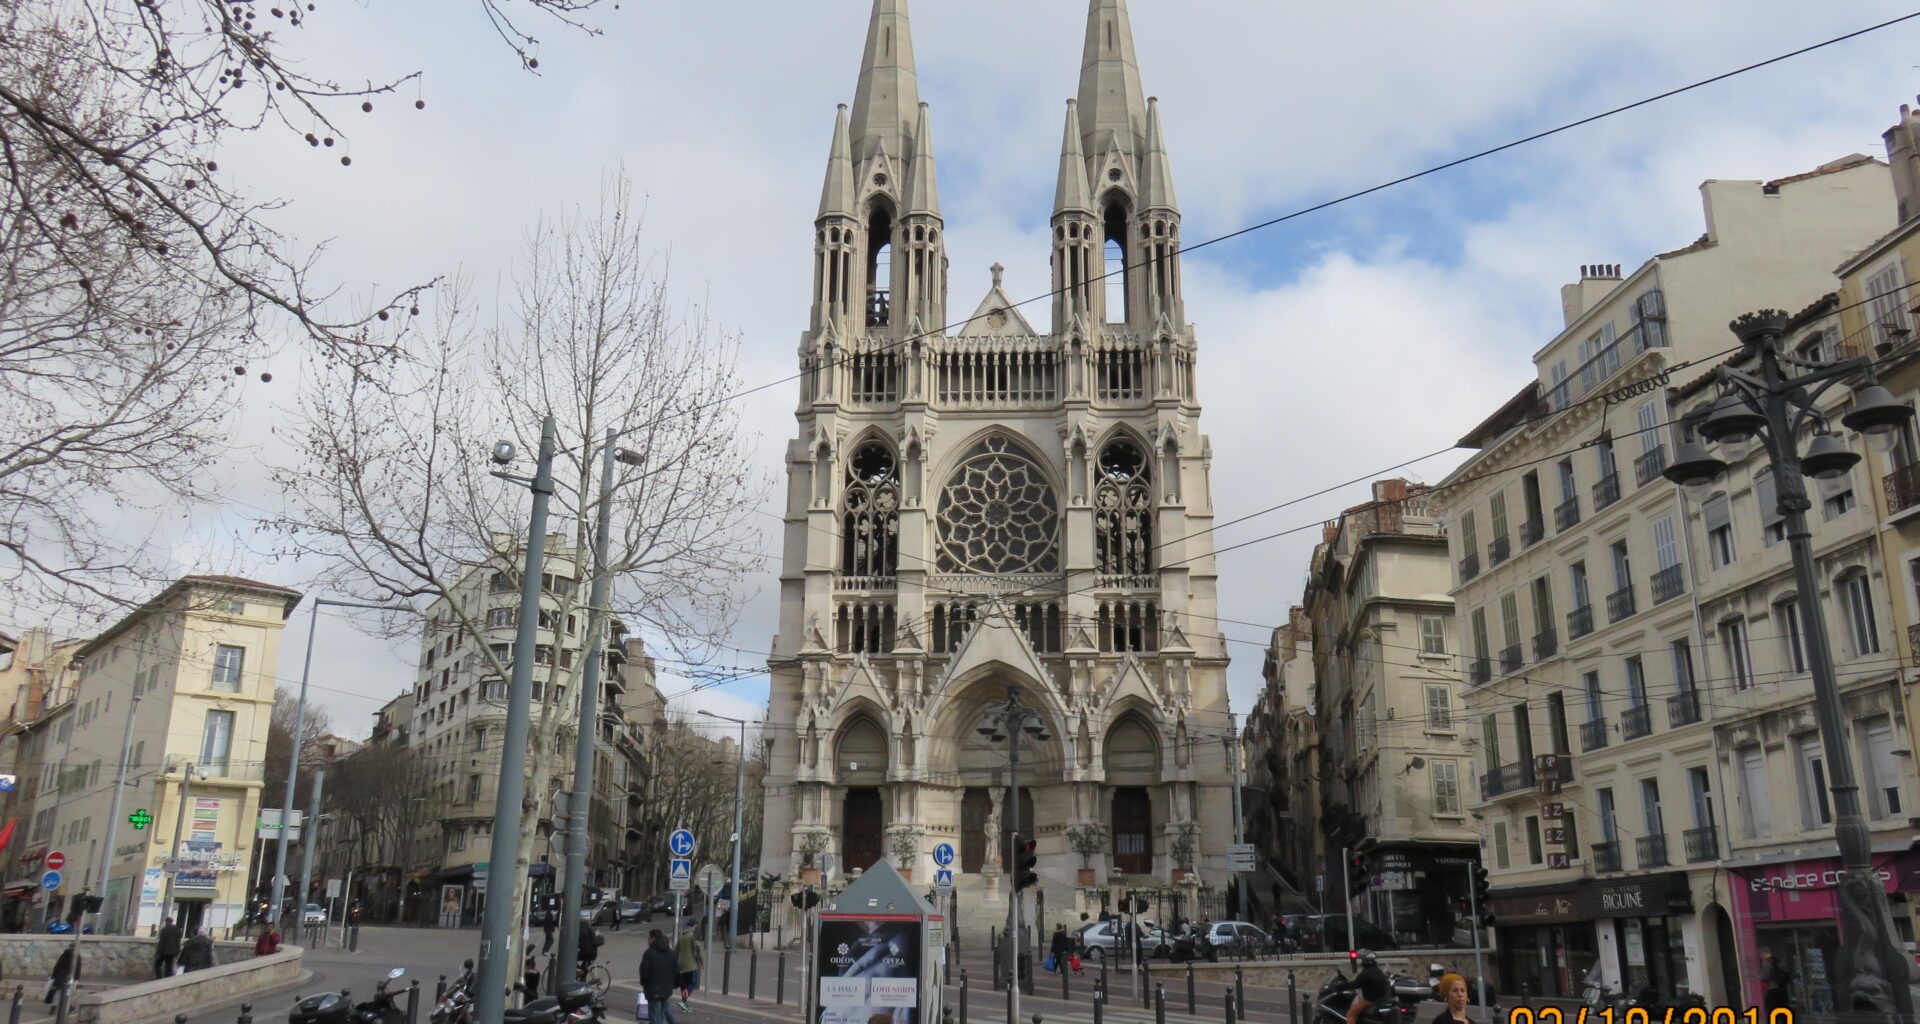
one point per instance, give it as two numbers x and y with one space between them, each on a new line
943 880
680 874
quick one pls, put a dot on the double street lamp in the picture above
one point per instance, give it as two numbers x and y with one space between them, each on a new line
1005 725
1768 398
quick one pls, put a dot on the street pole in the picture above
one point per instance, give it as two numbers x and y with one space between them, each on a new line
739 834
1346 879
496 924
1239 816
306 851
293 768
113 811
179 832
1479 964
588 726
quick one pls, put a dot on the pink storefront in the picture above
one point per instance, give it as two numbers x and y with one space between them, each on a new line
1789 908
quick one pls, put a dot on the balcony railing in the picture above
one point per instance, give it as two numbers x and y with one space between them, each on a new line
1668 583
1649 464
857 583
1606 857
1701 844
1652 851
1620 604
1566 515
1479 670
1593 735
1510 660
1913 641
1470 566
1546 644
1636 721
1683 708
1498 550
1580 622
1903 488
1606 491
1508 778
1532 531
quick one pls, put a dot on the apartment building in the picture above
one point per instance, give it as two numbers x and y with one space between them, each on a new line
459 716
40 675
1392 757
1586 590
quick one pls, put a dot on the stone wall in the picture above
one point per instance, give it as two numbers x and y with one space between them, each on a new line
236 975
102 957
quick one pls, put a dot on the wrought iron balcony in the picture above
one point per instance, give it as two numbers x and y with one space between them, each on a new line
1669 583
1648 466
1479 670
1546 644
1701 844
1620 604
1652 851
1606 857
1593 735
1566 515
1580 622
1683 708
1636 721
1508 778
1532 531
1903 488
1510 660
1469 566
1606 491
1498 550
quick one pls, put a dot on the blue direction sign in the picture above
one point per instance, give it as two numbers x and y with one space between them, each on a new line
681 842
943 881
943 856
50 881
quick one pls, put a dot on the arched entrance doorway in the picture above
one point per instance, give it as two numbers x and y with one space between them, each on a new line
1132 761
1729 956
860 765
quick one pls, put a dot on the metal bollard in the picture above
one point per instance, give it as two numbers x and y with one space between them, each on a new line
1104 983
440 990
726 972
1229 1002
246 1013
19 996
1159 1003
1290 995
963 995
353 939
753 975
1192 1006
999 973
1099 1001
413 1001
1306 1008
1061 966
780 980
60 1005
1240 990
1036 1019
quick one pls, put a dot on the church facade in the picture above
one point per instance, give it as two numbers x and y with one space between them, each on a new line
985 508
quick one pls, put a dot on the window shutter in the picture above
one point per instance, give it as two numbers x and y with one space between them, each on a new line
1768 497
1665 551
1717 512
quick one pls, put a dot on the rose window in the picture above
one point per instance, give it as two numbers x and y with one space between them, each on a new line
998 514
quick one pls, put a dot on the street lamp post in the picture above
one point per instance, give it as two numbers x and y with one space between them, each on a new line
1766 402
739 825
1008 723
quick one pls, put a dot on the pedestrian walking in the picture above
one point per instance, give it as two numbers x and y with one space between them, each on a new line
1778 982
197 955
66 971
659 970
167 949
689 957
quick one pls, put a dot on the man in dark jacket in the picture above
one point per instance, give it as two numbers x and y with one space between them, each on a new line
658 971
197 954
167 950
1062 947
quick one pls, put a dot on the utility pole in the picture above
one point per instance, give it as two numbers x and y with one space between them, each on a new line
113 808
587 727
179 833
1239 814
496 960
306 850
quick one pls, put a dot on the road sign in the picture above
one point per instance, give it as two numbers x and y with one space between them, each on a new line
56 860
943 880
1241 857
711 877
943 855
140 819
50 881
680 875
7 783
333 888
681 843
1320 882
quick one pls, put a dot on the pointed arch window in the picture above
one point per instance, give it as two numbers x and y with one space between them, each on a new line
879 266
870 516
998 514
1123 510
1116 263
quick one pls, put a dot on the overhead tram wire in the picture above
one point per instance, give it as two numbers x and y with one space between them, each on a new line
1351 196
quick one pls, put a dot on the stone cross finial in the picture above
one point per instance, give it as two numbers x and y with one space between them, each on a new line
996 268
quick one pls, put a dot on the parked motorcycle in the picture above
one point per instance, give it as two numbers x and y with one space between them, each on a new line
1594 995
1659 1007
339 1008
1337 995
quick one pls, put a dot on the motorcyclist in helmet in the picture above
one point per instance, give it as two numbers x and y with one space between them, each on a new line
1372 988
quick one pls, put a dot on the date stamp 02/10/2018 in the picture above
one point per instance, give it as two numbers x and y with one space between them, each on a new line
1638 1015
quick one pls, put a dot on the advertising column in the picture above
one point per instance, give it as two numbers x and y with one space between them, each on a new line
874 963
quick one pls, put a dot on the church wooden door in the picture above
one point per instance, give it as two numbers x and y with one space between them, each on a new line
1132 831
862 828
974 808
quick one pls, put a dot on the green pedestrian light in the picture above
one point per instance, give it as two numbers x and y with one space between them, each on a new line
140 819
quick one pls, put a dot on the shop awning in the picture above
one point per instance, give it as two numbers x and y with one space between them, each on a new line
23 887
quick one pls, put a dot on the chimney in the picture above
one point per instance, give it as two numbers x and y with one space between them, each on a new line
1329 530
1903 159
1596 280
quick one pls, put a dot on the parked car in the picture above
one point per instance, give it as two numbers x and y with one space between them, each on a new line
599 912
313 913
1102 938
1327 933
1238 938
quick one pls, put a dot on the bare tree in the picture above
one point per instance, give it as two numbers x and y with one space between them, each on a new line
394 484
374 793
313 728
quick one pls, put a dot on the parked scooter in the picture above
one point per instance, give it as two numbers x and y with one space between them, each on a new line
339 1008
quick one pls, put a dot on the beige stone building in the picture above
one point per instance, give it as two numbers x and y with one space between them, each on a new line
1000 507
1387 692
40 675
1605 625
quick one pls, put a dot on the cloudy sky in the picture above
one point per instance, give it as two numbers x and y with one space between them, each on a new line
1332 345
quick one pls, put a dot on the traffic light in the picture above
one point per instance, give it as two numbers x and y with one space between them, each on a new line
1024 864
806 899
94 903
1483 892
1358 876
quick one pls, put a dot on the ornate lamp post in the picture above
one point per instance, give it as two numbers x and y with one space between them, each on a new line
1766 402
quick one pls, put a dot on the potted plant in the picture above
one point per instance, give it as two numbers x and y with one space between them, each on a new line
1181 845
812 845
1087 840
906 850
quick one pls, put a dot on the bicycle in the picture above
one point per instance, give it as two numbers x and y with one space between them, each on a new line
597 976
